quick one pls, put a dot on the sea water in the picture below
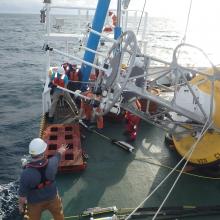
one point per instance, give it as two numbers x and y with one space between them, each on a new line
21 60
22 63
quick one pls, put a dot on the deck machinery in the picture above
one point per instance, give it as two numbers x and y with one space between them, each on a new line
187 99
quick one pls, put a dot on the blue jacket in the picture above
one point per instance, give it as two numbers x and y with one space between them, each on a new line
31 177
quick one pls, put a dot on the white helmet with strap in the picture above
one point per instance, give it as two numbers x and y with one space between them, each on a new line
37 146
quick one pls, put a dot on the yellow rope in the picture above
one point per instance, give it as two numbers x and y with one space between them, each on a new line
42 125
170 168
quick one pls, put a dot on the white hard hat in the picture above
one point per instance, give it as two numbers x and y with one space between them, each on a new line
37 146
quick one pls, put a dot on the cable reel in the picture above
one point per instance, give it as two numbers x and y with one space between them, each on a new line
113 81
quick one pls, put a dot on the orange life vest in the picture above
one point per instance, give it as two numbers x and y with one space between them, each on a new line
59 81
74 76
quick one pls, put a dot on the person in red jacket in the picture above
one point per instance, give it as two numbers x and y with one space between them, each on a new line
132 122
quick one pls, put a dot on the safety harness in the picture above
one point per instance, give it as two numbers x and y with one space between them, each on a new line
42 170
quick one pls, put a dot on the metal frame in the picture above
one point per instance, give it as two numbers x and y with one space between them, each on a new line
163 118
116 83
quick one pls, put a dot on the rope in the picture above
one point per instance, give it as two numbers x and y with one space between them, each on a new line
77 81
176 170
141 17
204 130
187 23
42 125
183 158
186 28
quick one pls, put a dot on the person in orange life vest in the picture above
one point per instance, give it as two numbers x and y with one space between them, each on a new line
37 182
132 122
113 17
113 22
85 108
74 79
58 78
71 71
99 118
89 110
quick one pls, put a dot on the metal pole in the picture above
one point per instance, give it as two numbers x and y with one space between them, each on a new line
117 29
102 35
80 60
93 40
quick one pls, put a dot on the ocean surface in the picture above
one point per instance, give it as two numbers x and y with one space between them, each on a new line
22 64
21 61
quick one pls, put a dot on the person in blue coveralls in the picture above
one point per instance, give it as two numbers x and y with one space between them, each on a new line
37 182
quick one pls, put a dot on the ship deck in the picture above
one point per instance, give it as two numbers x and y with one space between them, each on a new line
115 177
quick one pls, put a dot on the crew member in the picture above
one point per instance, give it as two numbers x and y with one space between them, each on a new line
74 78
113 22
90 109
70 71
132 122
59 78
37 183
94 75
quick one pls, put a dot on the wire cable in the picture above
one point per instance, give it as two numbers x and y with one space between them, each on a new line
183 158
187 23
177 170
139 24
204 130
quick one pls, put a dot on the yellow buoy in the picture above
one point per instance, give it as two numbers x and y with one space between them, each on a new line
207 150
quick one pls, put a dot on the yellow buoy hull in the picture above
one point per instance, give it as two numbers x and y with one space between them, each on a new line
207 150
